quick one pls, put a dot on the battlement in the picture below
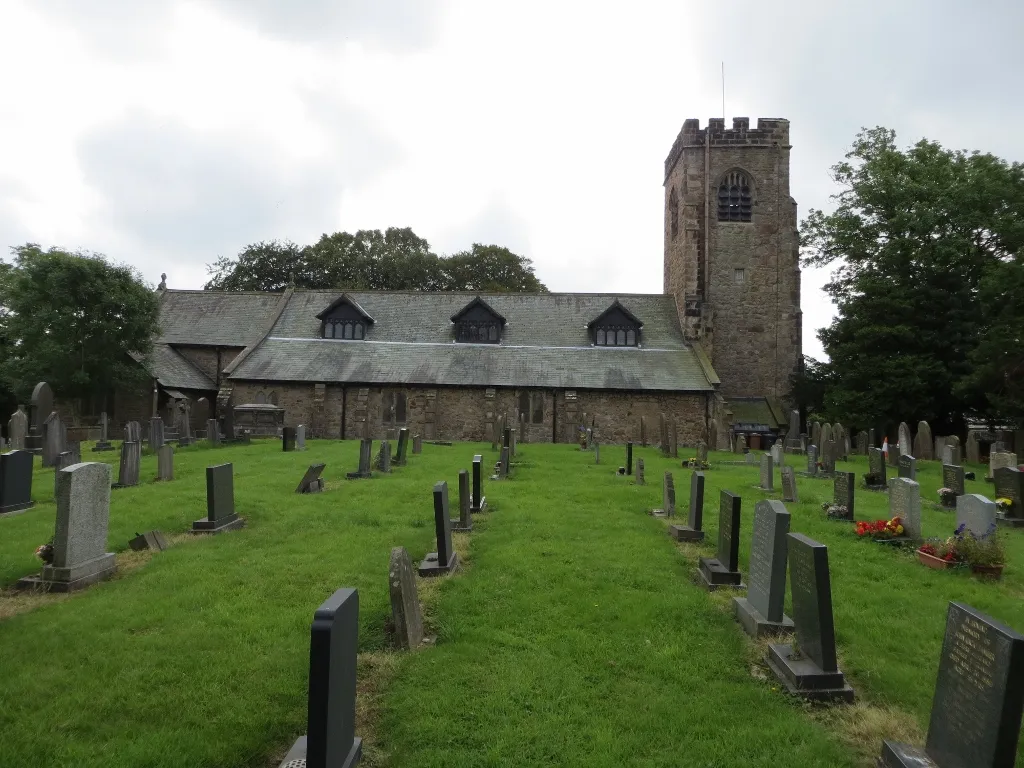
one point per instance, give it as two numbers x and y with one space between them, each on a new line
770 131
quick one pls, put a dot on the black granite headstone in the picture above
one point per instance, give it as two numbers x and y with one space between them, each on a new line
403 446
1009 484
479 501
876 468
220 502
629 458
723 570
288 438
953 478
843 493
445 560
15 481
465 521
760 612
693 530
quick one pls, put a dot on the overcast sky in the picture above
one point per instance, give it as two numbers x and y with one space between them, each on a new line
166 133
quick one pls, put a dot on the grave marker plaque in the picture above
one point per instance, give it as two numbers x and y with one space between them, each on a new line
760 612
479 501
905 503
445 559
15 482
220 502
723 570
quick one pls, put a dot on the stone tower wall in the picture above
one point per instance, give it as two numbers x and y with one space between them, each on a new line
749 322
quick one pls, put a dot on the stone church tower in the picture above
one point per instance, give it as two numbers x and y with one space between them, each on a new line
731 251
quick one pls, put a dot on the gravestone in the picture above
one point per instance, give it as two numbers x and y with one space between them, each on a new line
876 469
976 711
905 444
40 407
288 439
976 513
156 434
465 523
220 502
1009 483
924 444
104 442
862 443
445 559
674 437
17 429
843 493
153 540
872 439
702 452
816 433
417 442
907 466
15 482
812 460
973 449
65 459
300 437
128 469
668 498
403 444
55 438
827 435
813 673
479 501
793 435
767 472
405 603
312 481
133 432
227 430
213 433
640 472
893 455
693 530
629 458
80 537
761 611
384 456
997 459
365 461
789 490
643 431
778 455
953 478
828 458
330 740
741 444
165 462
723 571
748 457
905 503
511 442
504 459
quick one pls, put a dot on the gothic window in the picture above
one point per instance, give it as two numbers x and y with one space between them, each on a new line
524 404
478 323
531 407
673 213
600 337
538 408
393 408
734 199
345 319
616 327
630 338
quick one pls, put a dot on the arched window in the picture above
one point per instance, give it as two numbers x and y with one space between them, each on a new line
734 198
348 330
631 338
673 213
599 340
620 338
359 331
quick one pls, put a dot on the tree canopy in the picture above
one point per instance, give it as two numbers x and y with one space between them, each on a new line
393 260
72 319
928 246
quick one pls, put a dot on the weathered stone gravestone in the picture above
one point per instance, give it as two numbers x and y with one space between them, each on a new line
80 537
365 461
893 455
288 438
405 603
103 444
778 455
674 437
128 469
17 429
998 459
976 712
761 611
668 498
862 443
133 432
55 439
905 503
40 407
905 444
814 673
843 494
156 433
165 462
629 458
330 740
789 490
828 458
947 454
812 460
384 456
312 481
1010 485
153 540
876 469
465 521
300 437
793 435
640 472
953 478
748 457
511 443
220 502
403 444
702 452
767 472
212 432
723 571
923 443
445 559
693 530
741 444
417 443
15 482
479 501
816 433
64 460
973 449
907 466
827 435
976 513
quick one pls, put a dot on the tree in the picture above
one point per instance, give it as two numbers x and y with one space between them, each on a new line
914 234
72 319
393 260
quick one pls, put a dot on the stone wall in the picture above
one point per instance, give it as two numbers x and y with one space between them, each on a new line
209 360
741 300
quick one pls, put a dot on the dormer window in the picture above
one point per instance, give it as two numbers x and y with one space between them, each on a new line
478 323
616 327
344 319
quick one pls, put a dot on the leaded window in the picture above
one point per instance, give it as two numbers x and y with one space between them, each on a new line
734 199
478 331
615 336
344 329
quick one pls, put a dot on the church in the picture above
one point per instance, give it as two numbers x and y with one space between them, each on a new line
715 352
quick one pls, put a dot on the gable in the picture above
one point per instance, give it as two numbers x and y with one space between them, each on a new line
344 308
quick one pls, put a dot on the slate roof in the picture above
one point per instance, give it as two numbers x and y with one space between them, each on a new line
215 318
545 343
174 371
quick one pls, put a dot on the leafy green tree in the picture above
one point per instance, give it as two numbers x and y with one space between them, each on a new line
72 319
914 234
490 268
261 266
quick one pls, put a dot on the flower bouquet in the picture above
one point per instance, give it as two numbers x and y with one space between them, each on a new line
947 496
940 555
880 530
835 511
1004 505
694 463
45 552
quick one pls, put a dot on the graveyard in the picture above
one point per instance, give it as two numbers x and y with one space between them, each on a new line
573 631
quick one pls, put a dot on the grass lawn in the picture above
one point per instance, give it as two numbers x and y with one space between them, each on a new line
573 636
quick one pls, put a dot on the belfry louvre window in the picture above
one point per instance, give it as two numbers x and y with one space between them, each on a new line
734 199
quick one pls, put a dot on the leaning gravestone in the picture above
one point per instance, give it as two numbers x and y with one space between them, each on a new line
330 740
80 539
999 459
300 437
976 513
165 462
724 570
153 540
479 501
905 503
976 711
220 502
843 494
693 530
1010 485
465 523
15 482
767 472
812 460
813 673
953 478
445 559
405 604
640 472
128 469
311 481
789 490
668 498
907 467
761 611
17 429
876 469
403 445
